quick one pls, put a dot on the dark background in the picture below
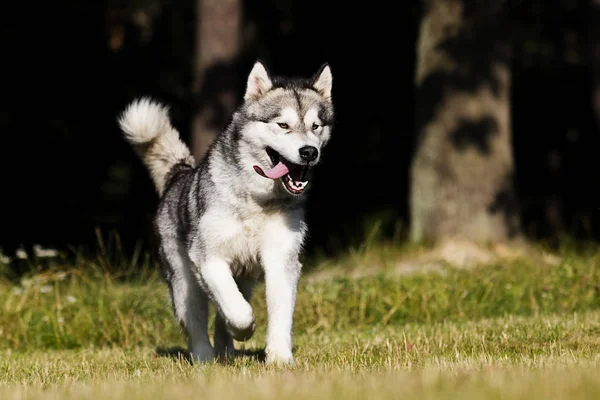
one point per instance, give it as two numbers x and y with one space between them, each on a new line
67 173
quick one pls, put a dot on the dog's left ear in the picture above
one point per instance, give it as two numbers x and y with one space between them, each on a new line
323 81
259 82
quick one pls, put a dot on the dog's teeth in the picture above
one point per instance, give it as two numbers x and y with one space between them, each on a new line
299 185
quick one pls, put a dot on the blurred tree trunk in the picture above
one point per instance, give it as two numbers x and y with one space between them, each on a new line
217 47
594 43
462 172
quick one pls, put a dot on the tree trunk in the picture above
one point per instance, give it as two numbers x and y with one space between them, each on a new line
462 172
594 43
217 48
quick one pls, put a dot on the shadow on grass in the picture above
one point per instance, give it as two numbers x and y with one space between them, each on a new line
180 354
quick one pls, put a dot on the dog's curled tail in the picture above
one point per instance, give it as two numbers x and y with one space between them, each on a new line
146 125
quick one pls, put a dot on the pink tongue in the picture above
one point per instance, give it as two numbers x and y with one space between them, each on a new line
274 173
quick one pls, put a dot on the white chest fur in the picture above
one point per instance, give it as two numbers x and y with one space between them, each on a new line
243 239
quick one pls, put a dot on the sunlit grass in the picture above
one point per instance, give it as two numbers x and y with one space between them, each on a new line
520 329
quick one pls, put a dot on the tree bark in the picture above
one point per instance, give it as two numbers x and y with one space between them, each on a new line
462 171
217 48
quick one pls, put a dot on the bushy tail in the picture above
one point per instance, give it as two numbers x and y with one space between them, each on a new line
147 127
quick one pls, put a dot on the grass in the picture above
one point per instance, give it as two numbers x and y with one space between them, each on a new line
519 329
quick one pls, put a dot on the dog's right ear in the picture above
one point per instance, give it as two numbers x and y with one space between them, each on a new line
259 82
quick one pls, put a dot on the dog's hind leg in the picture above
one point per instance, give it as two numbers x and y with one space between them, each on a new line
223 340
190 303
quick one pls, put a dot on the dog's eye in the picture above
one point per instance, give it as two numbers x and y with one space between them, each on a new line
315 126
283 125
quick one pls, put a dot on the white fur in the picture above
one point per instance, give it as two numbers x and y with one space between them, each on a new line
238 237
289 116
146 125
285 142
190 302
238 233
312 117
259 82
322 133
279 252
324 82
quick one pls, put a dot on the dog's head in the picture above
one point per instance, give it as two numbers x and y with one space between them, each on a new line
289 122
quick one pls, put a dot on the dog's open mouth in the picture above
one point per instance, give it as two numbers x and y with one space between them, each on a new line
292 175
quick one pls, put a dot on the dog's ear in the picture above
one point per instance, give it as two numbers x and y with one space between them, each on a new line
259 82
323 81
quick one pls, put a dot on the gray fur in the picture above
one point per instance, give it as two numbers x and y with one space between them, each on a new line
221 226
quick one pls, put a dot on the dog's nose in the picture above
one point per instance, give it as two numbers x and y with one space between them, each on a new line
309 153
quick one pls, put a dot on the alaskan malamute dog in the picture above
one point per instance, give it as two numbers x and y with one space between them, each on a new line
238 216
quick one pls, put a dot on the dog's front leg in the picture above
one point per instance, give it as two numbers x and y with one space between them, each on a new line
216 278
282 268
281 281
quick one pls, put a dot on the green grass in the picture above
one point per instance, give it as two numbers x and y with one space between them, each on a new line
521 329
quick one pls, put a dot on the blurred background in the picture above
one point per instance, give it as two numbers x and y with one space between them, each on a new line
465 118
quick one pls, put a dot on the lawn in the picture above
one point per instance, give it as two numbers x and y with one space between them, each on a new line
378 323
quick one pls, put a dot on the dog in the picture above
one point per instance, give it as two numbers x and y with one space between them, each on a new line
238 217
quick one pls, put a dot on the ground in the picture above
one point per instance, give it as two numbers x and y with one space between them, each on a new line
382 322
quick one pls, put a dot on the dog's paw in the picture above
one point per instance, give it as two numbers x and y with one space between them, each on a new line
243 326
225 352
242 334
278 357
224 346
202 354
